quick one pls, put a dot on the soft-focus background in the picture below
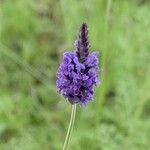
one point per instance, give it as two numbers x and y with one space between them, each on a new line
33 36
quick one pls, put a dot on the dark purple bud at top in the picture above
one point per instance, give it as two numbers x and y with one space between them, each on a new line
79 71
82 43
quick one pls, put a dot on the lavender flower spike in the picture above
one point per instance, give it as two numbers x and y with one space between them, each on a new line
79 71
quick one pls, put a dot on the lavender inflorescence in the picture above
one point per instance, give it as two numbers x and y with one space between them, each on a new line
79 71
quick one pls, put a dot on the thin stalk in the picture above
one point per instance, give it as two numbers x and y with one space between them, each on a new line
105 55
70 128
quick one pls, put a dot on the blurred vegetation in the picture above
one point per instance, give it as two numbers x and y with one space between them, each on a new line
33 36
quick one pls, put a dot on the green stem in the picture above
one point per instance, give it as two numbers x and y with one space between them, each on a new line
103 88
70 128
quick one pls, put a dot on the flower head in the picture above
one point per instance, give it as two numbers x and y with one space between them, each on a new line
79 71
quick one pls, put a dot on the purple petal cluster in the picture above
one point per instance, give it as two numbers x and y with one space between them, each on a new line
78 72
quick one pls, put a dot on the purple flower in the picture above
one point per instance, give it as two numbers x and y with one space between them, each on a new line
79 71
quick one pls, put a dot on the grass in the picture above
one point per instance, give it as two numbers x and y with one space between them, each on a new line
33 36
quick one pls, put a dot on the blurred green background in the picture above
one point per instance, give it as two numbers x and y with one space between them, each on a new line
33 36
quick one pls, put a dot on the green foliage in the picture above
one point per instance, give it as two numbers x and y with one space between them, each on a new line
33 36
